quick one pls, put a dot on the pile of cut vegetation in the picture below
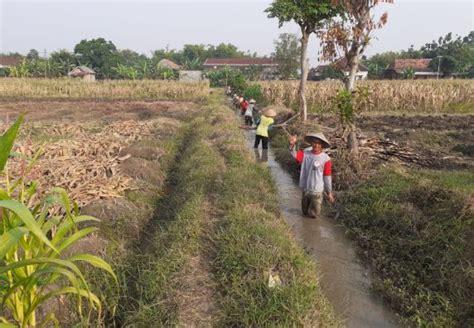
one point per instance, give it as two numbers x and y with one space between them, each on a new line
86 164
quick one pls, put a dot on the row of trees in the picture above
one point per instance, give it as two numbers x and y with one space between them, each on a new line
112 63
452 54
344 27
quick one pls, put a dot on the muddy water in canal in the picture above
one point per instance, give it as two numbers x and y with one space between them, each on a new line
345 281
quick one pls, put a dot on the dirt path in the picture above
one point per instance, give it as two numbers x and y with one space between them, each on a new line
198 289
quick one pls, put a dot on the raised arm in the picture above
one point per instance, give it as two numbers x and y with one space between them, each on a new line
298 155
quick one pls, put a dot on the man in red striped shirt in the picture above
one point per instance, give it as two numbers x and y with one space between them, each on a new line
315 176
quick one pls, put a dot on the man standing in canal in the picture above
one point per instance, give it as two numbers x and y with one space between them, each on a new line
315 176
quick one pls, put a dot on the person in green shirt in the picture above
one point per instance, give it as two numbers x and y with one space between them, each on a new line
264 124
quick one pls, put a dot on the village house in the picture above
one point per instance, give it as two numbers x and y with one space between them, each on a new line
419 68
169 64
86 73
318 73
268 68
8 61
190 76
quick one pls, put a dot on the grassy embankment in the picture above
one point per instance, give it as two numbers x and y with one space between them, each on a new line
213 241
415 228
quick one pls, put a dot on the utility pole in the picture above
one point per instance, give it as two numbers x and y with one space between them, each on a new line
45 65
439 64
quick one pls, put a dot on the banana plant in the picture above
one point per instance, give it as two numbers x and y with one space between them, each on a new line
34 240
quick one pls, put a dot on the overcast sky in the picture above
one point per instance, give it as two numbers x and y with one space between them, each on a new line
153 24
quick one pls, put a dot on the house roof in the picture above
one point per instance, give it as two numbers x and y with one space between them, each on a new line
9 60
418 65
81 71
340 64
244 61
169 64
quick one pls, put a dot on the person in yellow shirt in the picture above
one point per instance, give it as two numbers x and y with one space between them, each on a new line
264 124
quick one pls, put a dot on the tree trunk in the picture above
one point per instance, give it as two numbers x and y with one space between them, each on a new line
304 75
349 83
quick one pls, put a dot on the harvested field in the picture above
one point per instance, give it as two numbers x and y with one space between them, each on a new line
102 156
107 111
426 141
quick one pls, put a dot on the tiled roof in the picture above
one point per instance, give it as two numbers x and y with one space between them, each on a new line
245 61
341 64
9 60
169 64
418 65
81 71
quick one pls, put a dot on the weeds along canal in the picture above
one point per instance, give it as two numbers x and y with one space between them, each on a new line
344 280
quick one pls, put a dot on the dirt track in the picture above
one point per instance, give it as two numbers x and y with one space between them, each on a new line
80 111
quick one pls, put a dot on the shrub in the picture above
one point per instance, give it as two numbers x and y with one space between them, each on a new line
254 91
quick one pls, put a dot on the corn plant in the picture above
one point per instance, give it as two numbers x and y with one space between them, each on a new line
34 241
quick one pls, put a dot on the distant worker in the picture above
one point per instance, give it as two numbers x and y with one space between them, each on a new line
243 106
264 124
236 101
315 176
249 112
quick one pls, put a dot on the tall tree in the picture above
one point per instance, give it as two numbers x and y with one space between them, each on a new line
33 54
349 34
99 54
63 60
287 55
224 50
309 15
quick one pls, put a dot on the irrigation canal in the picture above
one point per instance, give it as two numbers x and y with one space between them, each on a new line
344 280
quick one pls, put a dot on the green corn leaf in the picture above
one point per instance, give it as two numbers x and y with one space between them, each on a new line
46 261
75 238
50 318
7 140
66 226
63 199
25 216
9 239
95 261
4 195
5 324
29 282
63 291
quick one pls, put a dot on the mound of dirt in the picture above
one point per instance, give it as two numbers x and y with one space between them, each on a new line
143 169
145 152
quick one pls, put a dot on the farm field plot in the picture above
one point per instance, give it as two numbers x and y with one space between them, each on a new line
165 178
96 150
440 141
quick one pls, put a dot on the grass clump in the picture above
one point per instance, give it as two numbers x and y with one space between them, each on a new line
416 231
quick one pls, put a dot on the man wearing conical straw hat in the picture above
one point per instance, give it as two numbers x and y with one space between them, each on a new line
315 176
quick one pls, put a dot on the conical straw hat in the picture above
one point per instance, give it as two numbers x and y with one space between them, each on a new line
319 136
269 113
